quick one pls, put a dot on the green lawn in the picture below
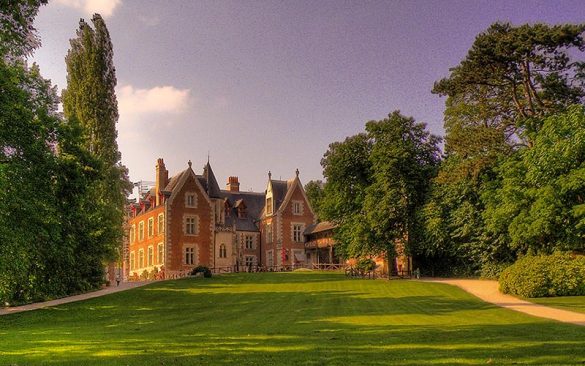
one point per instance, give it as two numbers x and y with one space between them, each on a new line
302 318
573 303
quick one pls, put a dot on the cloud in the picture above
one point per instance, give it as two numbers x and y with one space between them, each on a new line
104 7
136 103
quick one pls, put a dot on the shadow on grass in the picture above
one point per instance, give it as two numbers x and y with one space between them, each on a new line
271 319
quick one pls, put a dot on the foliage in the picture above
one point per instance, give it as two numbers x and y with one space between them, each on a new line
559 274
90 100
492 271
202 269
375 183
266 318
541 189
511 77
366 264
315 193
18 37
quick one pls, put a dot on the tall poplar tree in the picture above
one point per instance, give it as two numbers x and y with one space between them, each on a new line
90 100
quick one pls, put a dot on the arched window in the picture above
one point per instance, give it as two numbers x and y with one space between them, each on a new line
222 251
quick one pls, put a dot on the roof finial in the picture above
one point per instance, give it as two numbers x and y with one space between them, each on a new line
189 163
269 175
297 172
207 156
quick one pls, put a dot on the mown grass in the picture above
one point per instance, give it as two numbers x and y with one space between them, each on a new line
572 303
303 318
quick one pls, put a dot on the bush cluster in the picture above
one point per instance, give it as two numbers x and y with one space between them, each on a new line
559 274
492 271
201 269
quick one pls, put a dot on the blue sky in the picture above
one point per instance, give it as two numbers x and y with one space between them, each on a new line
267 85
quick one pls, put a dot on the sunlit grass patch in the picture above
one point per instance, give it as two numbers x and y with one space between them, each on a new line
301 318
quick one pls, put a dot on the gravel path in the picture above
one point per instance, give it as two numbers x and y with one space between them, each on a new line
90 295
488 291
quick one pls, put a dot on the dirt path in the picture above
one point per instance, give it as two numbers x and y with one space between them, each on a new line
488 292
90 295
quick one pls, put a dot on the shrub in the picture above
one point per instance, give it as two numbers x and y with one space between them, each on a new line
144 275
366 264
492 271
559 274
201 269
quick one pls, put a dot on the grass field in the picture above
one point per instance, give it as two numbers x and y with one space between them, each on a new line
573 303
303 318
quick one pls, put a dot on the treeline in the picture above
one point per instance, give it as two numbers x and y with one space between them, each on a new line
62 187
511 180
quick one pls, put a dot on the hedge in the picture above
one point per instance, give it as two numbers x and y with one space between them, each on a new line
559 274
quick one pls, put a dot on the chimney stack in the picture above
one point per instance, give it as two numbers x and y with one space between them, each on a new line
162 178
233 184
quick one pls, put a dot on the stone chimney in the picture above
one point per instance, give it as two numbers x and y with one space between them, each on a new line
162 178
233 184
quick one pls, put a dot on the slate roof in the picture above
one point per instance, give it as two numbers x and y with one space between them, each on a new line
211 185
279 190
319 227
254 203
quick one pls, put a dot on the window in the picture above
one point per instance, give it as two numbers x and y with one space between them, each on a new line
141 258
297 208
191 225
249 242
132 261
189 255
161 224
160 253
132 233
270 258
222 251
190 199
141 231
250 260
297 232
150 227
150 255
269 206
269 233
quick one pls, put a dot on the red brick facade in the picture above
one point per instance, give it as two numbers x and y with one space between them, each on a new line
194 223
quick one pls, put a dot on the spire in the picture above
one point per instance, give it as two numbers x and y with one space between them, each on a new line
212 186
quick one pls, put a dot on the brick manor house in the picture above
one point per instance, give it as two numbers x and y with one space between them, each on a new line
187 220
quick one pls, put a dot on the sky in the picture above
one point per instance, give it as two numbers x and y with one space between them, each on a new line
268 85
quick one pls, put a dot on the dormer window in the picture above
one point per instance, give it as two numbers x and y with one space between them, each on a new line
269 206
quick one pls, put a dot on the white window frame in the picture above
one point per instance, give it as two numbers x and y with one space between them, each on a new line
140 258
250 260
132 233
151 227
132 260
191 228
269 205
301 228
191 199
141 231
160 253
150 256
297 208
249 242
270 258
269 235
160 223
189 255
